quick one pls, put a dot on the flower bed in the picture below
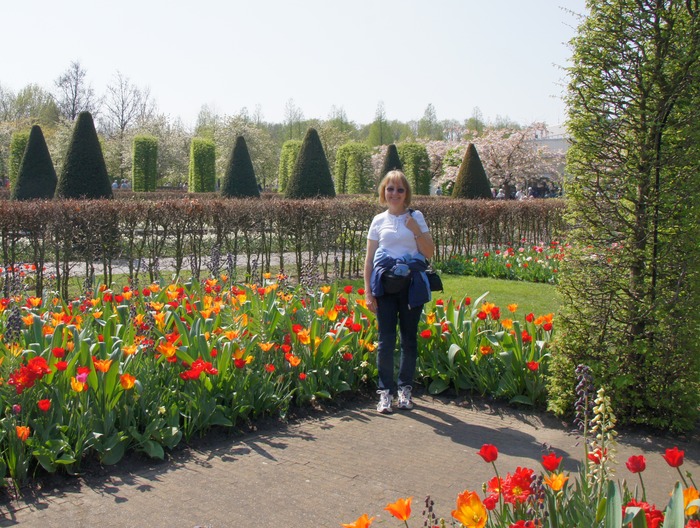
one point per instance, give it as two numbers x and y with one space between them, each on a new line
538 263
142 369
553 498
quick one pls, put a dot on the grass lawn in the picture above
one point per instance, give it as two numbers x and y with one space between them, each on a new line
532 297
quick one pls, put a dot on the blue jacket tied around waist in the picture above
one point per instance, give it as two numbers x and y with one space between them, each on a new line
418 289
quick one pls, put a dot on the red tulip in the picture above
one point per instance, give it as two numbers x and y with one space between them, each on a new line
488 452
636 463
674 457
551 461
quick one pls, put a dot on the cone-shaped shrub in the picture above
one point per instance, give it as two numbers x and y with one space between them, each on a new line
472 182
18 144
202 175
239 179
311 177
391 161
37 176
145 164
84 173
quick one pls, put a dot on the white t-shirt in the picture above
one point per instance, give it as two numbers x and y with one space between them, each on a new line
393 235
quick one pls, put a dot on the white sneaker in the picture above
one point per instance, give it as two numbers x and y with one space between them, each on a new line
384 405
405 401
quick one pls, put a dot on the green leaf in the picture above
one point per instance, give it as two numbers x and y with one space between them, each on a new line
153 449
613 508
675 513
437 386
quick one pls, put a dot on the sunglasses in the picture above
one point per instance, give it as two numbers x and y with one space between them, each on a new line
392 189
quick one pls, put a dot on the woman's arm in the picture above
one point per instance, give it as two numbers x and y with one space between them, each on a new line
424 241
372 246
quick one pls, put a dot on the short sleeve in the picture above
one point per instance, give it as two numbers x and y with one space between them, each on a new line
420 219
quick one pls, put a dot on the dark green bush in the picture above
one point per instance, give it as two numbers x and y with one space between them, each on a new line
84 173
202 172
145 165
391 161
471 182
239 179
311 177
37 176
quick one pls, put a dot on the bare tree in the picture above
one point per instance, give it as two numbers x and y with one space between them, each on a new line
74 95
125 105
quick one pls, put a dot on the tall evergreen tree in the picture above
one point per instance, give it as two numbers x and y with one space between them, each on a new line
311 177
631 283
239 178
471 182
37 175
391 161
84 173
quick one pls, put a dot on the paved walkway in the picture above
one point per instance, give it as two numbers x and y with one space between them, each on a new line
324 471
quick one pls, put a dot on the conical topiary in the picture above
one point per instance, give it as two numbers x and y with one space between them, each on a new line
391 161
311 177
472 182
84 173
36 177
239 178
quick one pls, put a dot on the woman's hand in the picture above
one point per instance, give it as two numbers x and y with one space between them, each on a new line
370 302
413 226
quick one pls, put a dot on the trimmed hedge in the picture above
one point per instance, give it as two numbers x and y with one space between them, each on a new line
262 234
288 160
202 171
145 165
416 166
353 169
18 144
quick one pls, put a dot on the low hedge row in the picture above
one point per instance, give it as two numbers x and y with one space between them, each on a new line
61 239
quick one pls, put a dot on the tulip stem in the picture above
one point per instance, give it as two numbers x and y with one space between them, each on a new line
644 491
685 483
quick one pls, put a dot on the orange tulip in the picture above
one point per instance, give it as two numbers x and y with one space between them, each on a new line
401 509
556 481
690 494
127 381
470 510
362 522
22 432
102 364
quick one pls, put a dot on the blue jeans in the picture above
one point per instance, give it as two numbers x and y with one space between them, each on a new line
393 309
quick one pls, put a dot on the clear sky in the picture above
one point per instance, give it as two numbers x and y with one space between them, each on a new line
502 56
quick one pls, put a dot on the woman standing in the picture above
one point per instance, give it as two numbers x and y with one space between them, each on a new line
398 244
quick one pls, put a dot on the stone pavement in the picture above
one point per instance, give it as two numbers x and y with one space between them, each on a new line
320 472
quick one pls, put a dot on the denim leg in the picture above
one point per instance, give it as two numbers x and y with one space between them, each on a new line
408 326
387 317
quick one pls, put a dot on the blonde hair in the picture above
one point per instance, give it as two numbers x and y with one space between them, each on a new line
395 177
